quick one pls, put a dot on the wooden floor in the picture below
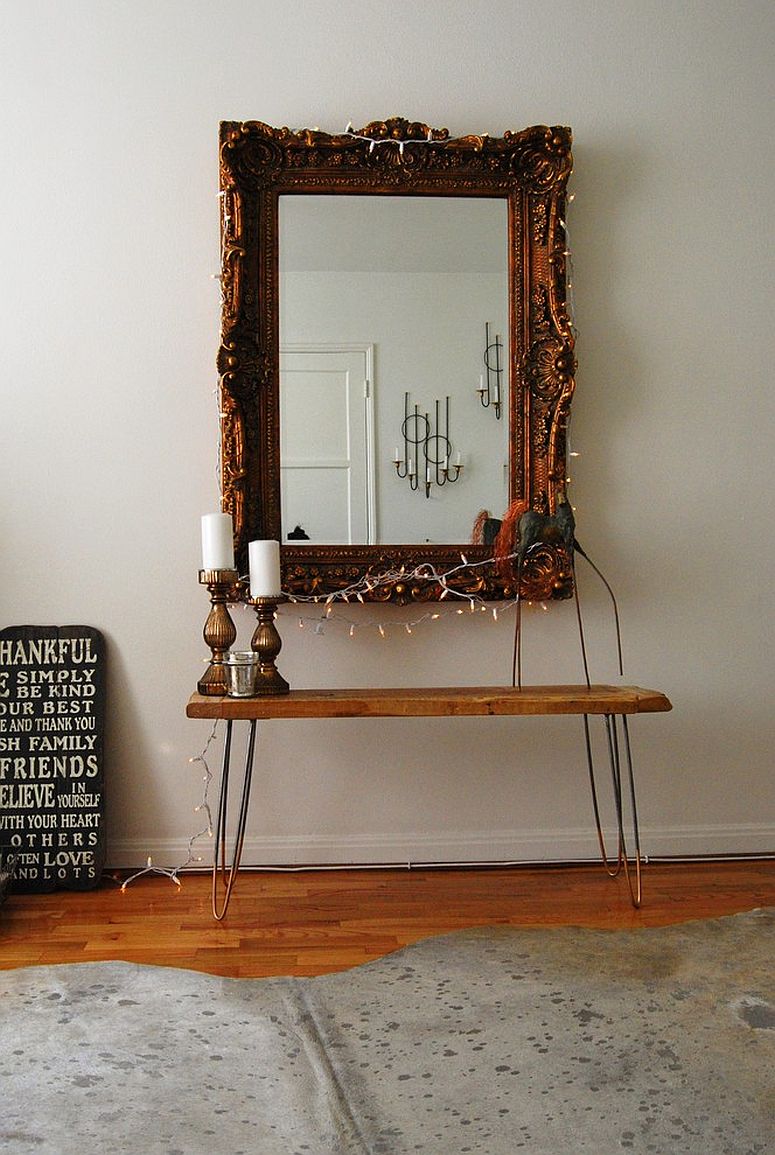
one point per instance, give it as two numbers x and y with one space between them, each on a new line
316 922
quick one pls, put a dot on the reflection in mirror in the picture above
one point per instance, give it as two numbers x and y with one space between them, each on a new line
384 306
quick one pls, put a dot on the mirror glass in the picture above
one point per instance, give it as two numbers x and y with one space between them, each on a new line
387 305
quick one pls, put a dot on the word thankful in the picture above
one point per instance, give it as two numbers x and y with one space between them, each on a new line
46 651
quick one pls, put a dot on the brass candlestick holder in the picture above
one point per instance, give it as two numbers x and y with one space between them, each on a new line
219 630
267 644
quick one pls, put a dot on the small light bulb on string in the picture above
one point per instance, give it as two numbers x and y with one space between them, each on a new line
204 805
425 572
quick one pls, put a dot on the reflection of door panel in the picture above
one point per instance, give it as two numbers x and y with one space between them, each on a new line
326 453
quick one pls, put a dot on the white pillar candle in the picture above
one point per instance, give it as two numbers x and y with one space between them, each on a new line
481 383
217 541
264 561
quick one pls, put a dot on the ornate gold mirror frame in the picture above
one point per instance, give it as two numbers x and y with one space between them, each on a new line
530 169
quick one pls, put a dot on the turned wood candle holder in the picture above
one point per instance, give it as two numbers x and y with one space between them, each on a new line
267 643
219 630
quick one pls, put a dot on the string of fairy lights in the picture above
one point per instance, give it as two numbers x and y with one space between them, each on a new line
192 859
355 595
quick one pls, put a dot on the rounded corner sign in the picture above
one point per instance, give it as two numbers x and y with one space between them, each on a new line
52 721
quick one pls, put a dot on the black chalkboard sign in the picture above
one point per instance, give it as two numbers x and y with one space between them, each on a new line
52 714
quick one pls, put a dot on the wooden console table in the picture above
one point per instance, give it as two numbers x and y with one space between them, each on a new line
613 703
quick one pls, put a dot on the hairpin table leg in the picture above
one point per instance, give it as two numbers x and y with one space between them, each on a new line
623 862
220 873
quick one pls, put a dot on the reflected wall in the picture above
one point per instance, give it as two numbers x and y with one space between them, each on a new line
415 280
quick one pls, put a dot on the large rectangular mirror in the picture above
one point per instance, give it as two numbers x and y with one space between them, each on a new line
396 353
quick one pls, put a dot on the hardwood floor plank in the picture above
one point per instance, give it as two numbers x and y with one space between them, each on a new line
306 923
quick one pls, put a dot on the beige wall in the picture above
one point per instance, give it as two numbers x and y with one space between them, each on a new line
109 326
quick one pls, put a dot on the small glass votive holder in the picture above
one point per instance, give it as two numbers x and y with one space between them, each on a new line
242 668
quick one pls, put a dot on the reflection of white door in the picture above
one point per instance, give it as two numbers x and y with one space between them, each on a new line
326 444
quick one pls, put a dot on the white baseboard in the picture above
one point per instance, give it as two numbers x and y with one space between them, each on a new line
522 846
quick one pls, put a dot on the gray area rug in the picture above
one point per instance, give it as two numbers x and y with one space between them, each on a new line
498 1041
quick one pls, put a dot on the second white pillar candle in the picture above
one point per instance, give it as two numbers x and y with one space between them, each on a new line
264 562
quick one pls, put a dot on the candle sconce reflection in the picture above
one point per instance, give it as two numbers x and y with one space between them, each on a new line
490 384
426 446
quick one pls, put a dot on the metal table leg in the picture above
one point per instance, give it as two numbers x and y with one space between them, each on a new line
623 860
220 873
